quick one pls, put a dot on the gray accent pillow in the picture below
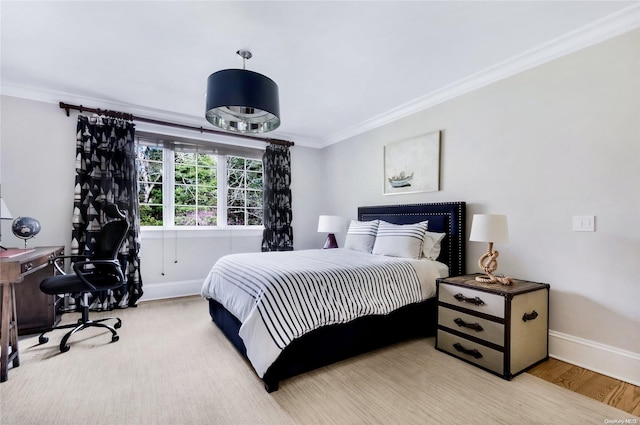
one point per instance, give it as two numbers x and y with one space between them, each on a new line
361 235
431 245
400 240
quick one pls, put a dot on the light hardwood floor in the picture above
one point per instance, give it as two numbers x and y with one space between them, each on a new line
619 394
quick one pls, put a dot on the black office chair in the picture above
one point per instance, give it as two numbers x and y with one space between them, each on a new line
99 272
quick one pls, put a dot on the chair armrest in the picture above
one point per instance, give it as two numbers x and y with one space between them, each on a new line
79 266
57 265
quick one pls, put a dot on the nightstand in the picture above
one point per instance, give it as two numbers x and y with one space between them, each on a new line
501 329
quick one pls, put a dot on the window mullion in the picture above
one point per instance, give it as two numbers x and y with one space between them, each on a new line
245 192
169 186
196 185
222 191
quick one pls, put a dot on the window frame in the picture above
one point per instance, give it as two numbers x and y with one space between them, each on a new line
170 145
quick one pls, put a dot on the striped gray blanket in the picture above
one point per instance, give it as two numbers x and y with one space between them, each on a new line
287 294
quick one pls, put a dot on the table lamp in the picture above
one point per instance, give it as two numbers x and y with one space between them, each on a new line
331 224
490 228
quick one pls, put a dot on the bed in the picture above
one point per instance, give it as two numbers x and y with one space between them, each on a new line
286 351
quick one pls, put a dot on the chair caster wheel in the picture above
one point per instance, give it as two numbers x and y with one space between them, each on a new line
115 338
43 340
117 325
64 348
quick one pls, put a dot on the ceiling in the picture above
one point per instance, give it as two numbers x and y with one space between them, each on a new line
342 67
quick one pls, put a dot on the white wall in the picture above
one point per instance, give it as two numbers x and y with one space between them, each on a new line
37 164
38 168
308 197
559 140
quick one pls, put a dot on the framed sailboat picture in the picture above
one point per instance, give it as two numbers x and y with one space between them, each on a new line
412 165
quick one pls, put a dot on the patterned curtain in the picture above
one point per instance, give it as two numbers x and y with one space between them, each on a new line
276 168
106 173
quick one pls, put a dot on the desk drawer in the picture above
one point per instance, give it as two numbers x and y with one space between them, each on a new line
471 325
483 302
35 310
33 264
475 353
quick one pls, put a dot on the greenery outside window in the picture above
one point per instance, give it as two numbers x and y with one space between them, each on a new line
195 197
244 191
150 161
180 185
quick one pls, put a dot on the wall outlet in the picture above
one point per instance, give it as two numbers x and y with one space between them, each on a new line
584 223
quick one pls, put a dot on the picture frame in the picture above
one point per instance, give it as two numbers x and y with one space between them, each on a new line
412 165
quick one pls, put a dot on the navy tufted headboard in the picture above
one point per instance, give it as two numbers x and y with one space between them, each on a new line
444 217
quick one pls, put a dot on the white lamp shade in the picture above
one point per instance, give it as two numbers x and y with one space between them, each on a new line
5 214
331 224
489 228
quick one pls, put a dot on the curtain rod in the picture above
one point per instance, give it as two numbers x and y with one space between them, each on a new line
130 117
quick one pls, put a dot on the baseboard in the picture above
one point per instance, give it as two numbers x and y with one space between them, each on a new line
159 291
611 361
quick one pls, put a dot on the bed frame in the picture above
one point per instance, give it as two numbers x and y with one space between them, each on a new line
337 342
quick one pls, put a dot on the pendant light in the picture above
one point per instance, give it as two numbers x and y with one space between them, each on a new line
242 101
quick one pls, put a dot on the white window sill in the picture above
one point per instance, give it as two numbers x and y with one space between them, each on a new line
148 232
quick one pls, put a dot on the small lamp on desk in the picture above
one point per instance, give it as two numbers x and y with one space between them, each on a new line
490 228
331 224
5 214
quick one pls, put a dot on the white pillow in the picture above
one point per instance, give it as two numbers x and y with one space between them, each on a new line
431 245
361 235
400 240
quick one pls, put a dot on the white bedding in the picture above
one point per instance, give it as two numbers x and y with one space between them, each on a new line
279 296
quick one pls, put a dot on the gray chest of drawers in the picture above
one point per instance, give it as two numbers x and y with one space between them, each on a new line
502 329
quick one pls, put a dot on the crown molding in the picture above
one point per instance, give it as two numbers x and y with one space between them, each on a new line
55 96
623 21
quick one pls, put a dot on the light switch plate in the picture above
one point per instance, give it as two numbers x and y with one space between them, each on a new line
584 223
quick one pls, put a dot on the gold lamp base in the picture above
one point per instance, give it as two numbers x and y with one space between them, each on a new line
488 263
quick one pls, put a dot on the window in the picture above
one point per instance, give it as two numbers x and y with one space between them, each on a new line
244 191
195 187
150 171
180 183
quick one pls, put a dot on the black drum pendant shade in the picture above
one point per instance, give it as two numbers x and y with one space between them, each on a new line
242 101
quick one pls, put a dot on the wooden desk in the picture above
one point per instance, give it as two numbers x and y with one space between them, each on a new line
13 271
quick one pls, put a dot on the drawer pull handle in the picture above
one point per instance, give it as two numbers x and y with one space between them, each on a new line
473 326
530 316
473 353
28 266
463 299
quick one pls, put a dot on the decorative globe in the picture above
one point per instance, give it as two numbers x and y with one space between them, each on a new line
25 228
